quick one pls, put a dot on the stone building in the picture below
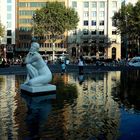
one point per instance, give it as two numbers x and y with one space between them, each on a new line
25 26
96 34
7 18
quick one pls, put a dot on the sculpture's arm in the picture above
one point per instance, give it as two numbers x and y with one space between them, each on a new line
32 57
27 58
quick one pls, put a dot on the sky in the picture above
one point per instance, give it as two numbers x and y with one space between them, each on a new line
132 1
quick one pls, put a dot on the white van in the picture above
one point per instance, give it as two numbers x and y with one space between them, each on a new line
135 61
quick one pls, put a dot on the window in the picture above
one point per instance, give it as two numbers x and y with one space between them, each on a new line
85 32
25 21
101 41
9 8
93 13
101 23
114 32
9 41
9 24
86 14
9 16
114 41
31 4
113 12
114 23
114 4
85 41
85 22
113 53
93 22
25 29
101 14
9 1
26 12
94 41
102 4
93 4
9 32
93 32
74 4
74 32
101 32
86 4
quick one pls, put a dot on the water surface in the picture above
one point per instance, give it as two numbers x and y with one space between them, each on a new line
98 106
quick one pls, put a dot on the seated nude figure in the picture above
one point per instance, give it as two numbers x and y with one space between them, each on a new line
38 73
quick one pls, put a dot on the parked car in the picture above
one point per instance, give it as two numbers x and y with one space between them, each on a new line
135 61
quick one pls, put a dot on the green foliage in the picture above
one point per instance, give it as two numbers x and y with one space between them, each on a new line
1 30
54 19
128 20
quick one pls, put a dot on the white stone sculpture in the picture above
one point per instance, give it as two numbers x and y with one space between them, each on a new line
38 73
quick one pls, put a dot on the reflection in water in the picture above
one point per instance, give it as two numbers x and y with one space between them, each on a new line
81 78
38 111
104 106
129 88
93 114
7 107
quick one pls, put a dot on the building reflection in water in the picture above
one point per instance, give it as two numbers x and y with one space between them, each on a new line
90 110
94 114
7 107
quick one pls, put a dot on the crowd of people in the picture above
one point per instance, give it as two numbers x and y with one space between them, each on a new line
109 62
8 62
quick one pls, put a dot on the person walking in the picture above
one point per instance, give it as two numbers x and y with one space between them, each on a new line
63 67
81 65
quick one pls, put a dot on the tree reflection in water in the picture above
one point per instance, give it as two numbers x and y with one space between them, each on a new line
128 90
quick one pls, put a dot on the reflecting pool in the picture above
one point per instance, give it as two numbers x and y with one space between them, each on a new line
97 106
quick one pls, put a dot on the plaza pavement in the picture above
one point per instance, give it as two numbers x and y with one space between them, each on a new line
56 68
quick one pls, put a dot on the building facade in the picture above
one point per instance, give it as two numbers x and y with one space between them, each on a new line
96 33
24 29
7 18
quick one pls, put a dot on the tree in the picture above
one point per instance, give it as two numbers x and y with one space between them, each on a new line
1 30
54 19
127 21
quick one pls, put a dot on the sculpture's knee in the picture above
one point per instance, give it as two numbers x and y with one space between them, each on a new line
30 83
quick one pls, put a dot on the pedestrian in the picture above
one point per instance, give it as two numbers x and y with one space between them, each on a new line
81 65
63 67
46 60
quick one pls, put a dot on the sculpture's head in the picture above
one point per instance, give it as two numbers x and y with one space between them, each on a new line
34 47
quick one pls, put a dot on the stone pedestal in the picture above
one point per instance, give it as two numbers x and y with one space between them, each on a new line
38 90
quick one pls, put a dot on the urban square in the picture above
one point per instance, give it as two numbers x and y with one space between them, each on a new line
69 69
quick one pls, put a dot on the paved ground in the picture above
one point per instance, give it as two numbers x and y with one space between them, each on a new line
55 68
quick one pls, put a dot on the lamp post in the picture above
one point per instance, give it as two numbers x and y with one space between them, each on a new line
53 51
78 43
125 38
33 33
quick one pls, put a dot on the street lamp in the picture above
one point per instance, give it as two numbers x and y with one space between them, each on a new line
78 43
33 32
126 38
53 51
